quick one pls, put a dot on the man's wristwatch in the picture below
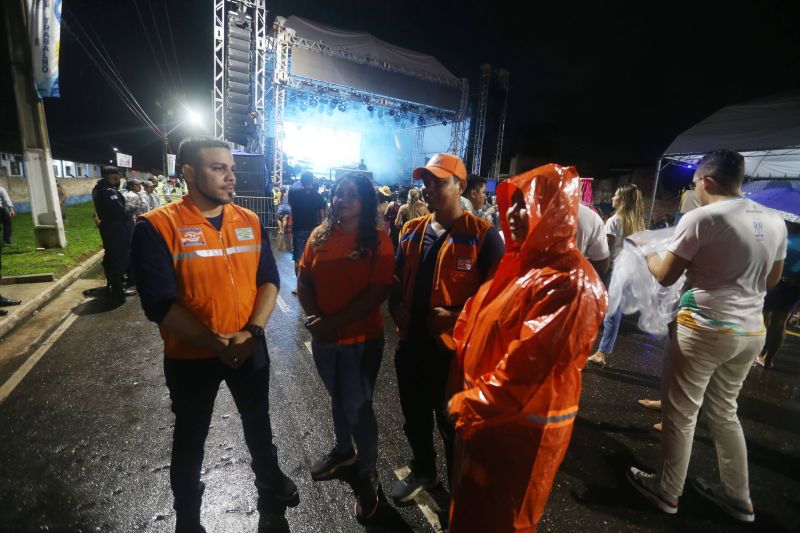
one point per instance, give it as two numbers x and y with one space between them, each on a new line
256 331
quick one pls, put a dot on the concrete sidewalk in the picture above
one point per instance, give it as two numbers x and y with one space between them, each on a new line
35 295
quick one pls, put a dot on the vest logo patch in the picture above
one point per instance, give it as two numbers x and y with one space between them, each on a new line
192 237
464 264
244 234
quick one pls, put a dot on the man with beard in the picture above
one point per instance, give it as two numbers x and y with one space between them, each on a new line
209 280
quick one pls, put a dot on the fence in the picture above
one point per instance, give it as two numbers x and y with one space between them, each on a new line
263 206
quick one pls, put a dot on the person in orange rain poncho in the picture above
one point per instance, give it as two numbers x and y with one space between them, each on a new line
522 341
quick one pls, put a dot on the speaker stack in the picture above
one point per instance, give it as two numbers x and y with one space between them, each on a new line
239 90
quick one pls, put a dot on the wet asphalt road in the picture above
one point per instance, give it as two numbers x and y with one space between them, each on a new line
85 439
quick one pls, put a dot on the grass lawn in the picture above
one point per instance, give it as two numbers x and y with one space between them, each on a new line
83 240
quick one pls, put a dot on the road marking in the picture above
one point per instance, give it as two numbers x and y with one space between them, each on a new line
9 386
282 305
425 502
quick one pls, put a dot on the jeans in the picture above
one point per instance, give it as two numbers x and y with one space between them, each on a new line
299 240
193 386
705 369
610 329
349 373
422 370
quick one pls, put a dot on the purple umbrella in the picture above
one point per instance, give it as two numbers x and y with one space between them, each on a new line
785 201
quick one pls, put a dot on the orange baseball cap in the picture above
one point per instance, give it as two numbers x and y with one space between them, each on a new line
443 166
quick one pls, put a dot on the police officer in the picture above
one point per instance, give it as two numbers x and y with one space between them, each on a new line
209 280
116 227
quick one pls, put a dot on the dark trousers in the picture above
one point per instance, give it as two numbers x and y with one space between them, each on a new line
193 386
5 219
116 260
422 370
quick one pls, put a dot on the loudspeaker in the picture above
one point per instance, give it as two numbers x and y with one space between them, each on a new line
250 175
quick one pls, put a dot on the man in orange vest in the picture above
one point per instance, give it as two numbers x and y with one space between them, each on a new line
209 280
441 261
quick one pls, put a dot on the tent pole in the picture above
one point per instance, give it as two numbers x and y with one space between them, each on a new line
655 188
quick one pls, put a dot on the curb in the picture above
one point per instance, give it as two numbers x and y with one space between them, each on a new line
34 304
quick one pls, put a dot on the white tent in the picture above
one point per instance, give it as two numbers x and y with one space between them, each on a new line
765 131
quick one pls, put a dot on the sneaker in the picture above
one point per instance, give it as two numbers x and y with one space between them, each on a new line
646 485
366 498
326 467
405 489
738 509
7 302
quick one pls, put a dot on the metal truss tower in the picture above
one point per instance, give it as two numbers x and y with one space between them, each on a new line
503 78
480 119
460 132
280 42
219 68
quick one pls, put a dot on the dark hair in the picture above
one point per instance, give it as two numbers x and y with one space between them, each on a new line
474 182
307 178
108 170
189 149
402 196
725 166
367 220
382 197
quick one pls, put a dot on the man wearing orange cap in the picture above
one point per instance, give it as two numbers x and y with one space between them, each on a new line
441 261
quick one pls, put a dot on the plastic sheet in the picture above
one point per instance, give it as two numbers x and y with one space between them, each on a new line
522 341
634 287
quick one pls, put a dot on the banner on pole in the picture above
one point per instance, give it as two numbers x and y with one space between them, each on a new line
44 30
124 160
171 164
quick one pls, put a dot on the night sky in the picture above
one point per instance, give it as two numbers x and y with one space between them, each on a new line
592 85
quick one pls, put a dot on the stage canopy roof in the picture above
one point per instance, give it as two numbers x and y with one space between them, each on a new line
765 131
351 59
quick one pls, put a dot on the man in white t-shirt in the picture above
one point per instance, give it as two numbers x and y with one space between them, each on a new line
591 239
732 250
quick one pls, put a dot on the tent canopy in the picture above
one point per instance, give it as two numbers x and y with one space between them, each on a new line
765 131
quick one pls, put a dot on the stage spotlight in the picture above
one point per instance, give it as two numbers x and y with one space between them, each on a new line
391 112
396 118
370 108
303 108
444 123
421 120
342 107
313 102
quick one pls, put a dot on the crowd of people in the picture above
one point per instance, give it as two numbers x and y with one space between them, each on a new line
497 306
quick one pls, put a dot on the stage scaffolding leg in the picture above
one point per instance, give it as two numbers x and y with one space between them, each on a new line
503 78
418 160
480 119
280 80
655 189
459 133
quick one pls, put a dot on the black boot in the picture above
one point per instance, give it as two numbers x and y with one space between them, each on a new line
187 512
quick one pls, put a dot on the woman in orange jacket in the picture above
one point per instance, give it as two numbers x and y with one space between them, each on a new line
522 341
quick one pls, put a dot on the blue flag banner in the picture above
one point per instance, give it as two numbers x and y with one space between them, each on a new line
44 28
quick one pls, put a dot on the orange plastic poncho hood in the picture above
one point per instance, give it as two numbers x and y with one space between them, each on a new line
522 340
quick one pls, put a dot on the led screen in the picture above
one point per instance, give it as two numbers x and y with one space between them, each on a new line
321 148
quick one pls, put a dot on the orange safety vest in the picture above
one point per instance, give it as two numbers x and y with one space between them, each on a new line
456 276
215 270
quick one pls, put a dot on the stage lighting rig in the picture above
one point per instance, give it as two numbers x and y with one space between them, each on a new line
342 107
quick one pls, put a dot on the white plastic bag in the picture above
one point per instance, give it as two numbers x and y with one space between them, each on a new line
634 287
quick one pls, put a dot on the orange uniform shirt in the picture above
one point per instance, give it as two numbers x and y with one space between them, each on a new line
340 275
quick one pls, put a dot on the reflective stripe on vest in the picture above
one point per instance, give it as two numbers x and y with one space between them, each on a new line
215 252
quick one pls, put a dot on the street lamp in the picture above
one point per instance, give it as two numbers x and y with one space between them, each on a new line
191 116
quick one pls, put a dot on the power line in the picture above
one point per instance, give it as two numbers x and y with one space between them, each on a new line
118 83
155 58
161 45
174 50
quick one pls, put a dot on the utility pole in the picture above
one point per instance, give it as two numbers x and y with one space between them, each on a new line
47 224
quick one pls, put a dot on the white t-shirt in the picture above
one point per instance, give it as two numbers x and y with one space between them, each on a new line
591 237
615 229
731 246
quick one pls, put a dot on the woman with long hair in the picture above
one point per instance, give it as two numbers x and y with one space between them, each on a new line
413 208
628 218
344 275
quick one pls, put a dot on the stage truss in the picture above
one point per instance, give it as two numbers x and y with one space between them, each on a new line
281 40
